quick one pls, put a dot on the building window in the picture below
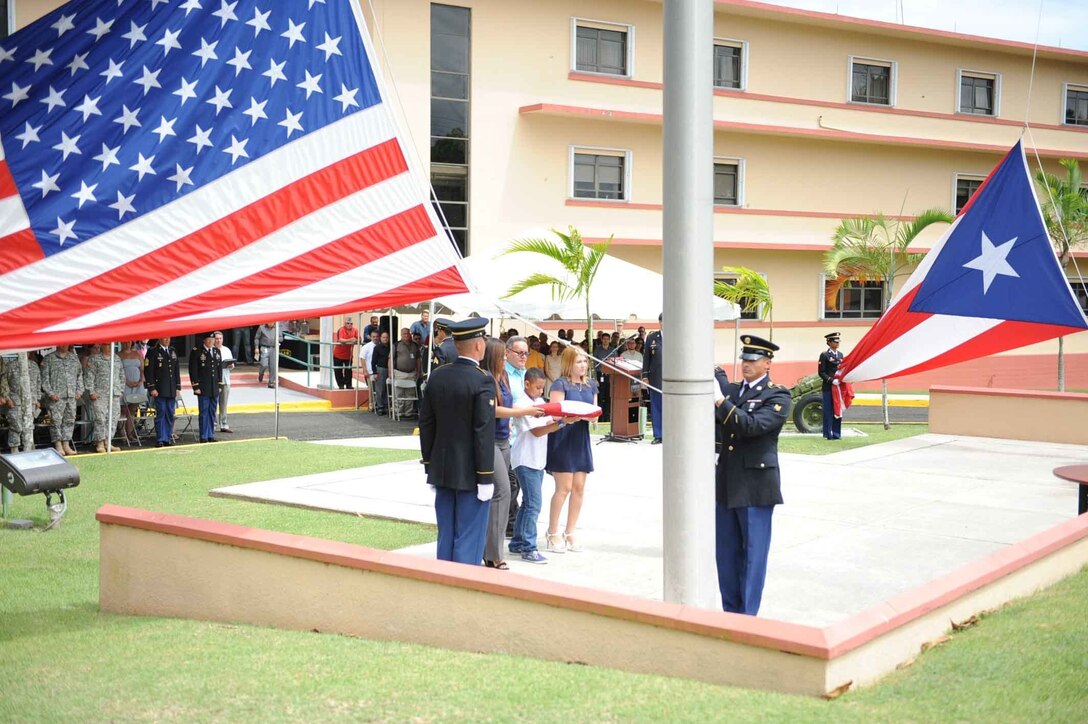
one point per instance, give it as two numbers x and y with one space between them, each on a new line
728 182
978 93
855 300
966 186
729 64
6 18
599 174
450 49
602 48
872 81
1080 291
1076 105
743 303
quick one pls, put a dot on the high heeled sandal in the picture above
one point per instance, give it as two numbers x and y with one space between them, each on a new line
572 544
555 543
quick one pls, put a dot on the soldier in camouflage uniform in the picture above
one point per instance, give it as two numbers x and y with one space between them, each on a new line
107 406
22 403
62 382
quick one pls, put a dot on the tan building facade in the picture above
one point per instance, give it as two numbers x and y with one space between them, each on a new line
536 115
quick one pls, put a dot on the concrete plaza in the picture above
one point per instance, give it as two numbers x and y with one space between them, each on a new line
858 526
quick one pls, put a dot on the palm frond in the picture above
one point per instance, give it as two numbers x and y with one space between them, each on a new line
559 288
544 247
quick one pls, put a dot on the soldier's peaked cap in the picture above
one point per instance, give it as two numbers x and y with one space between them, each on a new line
442 323
756 347
469 328
205 335
832 337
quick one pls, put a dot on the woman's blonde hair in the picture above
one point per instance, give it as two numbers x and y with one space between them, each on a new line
570 356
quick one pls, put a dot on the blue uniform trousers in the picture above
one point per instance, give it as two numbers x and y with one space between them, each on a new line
207 405
832 424
655 412
164 418
462 525
743 542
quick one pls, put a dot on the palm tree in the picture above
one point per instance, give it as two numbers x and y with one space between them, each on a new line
750 292
875 248
1065 212
578 260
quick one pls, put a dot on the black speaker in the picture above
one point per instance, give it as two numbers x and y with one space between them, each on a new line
390 324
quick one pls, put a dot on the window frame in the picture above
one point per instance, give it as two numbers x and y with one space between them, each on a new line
743 46
1075 282
823 303
623 153
10 29
1082 87
726 277
893 80
740 181
629 54
956 183
970 73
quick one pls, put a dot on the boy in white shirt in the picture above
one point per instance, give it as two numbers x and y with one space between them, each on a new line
529 455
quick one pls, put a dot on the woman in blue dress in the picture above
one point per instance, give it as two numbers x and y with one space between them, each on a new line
570 456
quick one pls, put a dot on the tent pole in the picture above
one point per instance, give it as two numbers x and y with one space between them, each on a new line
688 252
109 409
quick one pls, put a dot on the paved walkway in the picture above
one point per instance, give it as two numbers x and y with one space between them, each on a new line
858 526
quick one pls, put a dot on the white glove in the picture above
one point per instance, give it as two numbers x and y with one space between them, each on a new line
835 381
485 492
433 489
718 395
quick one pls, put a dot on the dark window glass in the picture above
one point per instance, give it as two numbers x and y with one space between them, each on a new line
598 177
1076 107
456 215
743 303
3 18
1080 291
600 51
871 84
449 150
460 240
726 66
449 119
726 184
965 189
857 300
450 183
449 85
976 95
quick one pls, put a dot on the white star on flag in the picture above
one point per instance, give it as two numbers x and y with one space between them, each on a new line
100 29
181 176
255 111
206 52
89 107
47 184
135 34
67 146
108 157
65 24
169 41
29 135
347 97
143 167
240 61
290 122
123 205
18 94
85 193
149 80
330 46
201 138
79 62
259 21
992 261
237 148
40 58
293 33
186 91
275 72
166 128
226 12
64 230
221 100
310 85
113 71
54 99
127 119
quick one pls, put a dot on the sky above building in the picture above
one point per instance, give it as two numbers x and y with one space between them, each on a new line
1064 22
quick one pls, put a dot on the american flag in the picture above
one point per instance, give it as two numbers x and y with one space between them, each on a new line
173 165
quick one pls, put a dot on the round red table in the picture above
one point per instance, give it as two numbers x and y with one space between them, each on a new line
1077 474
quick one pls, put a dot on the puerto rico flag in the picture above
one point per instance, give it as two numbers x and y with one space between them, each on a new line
168 166
991 283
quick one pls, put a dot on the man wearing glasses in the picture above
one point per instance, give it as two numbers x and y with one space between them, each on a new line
517 354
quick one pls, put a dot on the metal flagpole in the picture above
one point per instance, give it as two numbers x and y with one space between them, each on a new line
688 450
274 366
355 382
109 408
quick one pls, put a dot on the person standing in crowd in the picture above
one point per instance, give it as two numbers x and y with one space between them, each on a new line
239 342
205 375
105 390
830 359
444 350
372 327
535 358
529 455
570 456
651 374
366 356
264 349
553 364
22 402
343 353
405 367
495 362
517 352
422 327
62 382
133 365
747 480
457 443
162 375
380 360
227 361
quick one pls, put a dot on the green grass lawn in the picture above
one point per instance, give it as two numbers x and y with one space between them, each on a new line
63 660
874 433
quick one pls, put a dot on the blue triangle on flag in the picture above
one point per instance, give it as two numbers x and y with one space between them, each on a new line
998 263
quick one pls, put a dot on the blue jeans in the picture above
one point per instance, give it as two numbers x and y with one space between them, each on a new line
531 479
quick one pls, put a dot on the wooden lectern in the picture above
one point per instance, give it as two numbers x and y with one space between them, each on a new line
624 406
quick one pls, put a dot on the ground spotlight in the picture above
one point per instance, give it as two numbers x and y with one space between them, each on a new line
39 471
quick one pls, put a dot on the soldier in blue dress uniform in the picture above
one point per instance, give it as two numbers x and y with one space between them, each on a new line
162 376
652 366
443 350
457 442
751 413
830 359
206 374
